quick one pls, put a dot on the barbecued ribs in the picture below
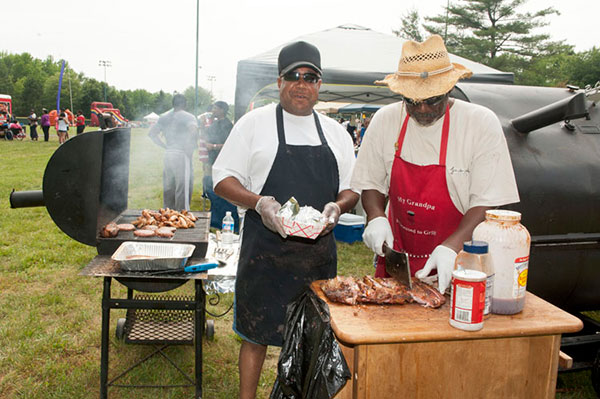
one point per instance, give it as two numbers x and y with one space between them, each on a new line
351 290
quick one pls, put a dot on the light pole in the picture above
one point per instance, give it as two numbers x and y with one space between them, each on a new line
196 84
104 63
211 79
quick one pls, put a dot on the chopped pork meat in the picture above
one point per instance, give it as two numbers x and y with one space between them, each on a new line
351 291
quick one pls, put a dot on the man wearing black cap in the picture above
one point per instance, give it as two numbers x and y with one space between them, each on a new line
214 133
273 153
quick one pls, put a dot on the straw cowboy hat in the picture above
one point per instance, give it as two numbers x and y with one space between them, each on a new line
425 70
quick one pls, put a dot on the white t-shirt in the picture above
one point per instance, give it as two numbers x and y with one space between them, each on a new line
63 126
250 149
478 167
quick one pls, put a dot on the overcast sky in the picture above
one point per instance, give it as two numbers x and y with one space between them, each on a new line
151 44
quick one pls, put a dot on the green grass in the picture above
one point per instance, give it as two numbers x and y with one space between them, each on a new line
50 316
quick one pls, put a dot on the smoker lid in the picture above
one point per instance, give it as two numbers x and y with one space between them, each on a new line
86 182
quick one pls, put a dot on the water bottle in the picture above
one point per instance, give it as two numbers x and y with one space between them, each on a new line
227 229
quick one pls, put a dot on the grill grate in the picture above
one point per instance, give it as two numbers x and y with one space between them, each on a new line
158 326
197 236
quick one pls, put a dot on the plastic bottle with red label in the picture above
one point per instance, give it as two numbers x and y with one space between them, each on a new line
509 243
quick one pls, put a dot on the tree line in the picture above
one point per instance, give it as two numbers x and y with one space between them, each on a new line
498 34
33 84
492 32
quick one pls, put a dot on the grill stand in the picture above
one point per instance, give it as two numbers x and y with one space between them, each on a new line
134 306
178 312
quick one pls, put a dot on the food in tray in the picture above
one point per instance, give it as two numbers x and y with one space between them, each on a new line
161 223
166 218
382 291
301 221
152 256
130 257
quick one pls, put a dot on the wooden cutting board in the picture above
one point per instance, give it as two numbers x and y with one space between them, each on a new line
362 324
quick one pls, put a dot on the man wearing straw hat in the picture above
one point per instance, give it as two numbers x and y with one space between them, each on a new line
440 161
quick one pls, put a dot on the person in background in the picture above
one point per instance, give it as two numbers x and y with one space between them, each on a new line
180 132
214 133
68 121
45 122
351 128
344 123
4 118
441 162
62 127
273 153
363 129
15 129
80 122
33 122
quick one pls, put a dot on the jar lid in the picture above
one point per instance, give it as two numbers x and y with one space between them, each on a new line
475 247
469 275
502 214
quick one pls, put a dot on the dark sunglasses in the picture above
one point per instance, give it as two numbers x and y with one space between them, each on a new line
428 101
308 77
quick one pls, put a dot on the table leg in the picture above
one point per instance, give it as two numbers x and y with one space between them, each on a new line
104 347
199 320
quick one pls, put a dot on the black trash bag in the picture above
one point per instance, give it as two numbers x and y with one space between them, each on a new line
311 364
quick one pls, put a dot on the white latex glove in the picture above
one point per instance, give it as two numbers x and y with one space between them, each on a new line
331 214
377 232
442 258
267 208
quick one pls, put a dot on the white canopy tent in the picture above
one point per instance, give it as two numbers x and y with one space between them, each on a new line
347 77
151 117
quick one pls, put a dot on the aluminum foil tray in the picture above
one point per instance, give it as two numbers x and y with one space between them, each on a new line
151 256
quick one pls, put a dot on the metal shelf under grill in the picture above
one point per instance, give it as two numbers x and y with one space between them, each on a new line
160 326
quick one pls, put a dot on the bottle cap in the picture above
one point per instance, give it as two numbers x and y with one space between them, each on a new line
475 247
228 213
503 215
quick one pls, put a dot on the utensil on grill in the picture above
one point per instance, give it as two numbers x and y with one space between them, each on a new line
200 267
396 265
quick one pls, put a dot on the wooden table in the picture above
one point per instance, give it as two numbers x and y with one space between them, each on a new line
408 351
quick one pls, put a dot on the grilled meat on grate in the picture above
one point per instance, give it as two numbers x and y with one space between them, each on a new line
110 230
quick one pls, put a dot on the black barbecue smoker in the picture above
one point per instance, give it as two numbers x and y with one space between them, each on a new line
553 135
86 186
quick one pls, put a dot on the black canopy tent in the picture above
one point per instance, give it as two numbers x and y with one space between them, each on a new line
348 76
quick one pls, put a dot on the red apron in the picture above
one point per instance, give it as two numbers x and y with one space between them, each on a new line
421 212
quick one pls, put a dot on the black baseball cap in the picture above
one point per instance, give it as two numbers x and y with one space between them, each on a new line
299 54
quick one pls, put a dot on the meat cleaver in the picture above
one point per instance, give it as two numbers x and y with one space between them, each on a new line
396 265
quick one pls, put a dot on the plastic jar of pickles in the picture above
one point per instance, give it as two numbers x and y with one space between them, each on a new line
509 243
474 256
